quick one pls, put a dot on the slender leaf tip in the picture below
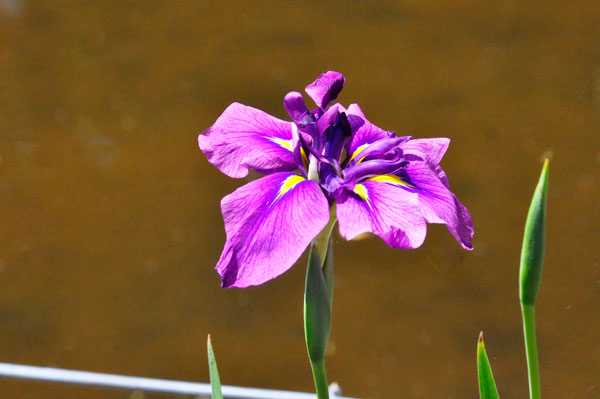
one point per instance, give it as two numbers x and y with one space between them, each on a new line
215 381
487 386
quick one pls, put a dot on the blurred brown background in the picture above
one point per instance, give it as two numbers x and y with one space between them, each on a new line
110 223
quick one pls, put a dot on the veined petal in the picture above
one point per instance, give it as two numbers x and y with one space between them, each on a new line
326 88
438 204
246 138
432 149
383 209
269 222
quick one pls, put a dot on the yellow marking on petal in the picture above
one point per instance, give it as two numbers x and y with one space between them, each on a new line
362 192
289 184
391 179
287 144
304 157
357 151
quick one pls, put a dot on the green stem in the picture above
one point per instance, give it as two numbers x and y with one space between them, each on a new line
320 376
533 369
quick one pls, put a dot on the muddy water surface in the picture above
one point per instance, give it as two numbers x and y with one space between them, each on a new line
110 223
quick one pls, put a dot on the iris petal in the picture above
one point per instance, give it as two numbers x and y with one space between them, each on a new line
325 89
433 149
269 222
246 138
296 109
382 209
438 204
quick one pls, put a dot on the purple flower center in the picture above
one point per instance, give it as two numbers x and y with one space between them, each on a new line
323 135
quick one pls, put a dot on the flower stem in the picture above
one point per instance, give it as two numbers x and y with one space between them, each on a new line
533 370
317 321
320 377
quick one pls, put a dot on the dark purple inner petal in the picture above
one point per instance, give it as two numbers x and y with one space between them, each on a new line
336 137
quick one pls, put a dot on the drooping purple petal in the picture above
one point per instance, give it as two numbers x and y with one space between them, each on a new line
437 169
269 222
326 88
433 149
383 209
438 204
246 138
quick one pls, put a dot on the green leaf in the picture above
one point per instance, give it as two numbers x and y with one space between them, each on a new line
487 386
317 308
215 381
534 242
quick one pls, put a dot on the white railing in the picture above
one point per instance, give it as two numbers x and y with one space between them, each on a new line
150 385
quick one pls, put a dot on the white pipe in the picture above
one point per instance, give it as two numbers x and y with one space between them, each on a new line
154 385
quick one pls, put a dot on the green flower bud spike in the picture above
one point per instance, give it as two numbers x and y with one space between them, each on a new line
532 263
534 242
487 386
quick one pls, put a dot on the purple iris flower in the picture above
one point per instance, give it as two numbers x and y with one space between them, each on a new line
329 156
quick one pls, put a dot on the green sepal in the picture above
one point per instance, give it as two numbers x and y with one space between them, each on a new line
317 307
215 381
487 386
534 242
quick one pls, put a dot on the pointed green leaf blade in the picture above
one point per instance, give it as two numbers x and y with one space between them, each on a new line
534 242
487 386
215 381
